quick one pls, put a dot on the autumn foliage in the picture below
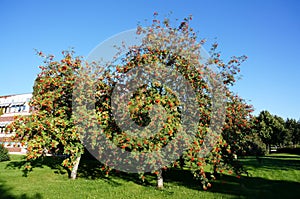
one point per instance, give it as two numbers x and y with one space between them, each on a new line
50 128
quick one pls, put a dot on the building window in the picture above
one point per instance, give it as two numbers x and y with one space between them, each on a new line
6 109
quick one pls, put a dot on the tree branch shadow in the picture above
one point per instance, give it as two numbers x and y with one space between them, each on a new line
256 187
6 193
247 186
52 162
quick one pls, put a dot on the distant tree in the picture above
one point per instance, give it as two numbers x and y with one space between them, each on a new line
271 129
264 123
294 130
296 134
281 135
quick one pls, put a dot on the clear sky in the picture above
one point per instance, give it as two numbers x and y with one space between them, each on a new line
267 31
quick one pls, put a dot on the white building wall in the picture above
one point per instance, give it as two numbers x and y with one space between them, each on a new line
11 106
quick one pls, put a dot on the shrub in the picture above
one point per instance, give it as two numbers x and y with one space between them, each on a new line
3 154
258 148
289 150
254 146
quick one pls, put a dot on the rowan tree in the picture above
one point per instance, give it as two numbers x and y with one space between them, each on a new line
50 127
175 48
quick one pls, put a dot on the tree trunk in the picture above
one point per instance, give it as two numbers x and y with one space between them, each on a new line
181 161
75 168
267 148
160 180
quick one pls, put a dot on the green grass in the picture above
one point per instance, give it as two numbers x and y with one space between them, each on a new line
275 176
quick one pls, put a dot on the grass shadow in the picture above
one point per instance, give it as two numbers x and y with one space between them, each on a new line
273 162
181 177
49 161
255 187
248 186
6 193
91 169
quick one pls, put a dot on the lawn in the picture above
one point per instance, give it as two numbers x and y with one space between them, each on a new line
274 176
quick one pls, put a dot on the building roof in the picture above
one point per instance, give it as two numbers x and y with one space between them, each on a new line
10 95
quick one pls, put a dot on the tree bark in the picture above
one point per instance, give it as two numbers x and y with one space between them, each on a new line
160 180
75 168
267 148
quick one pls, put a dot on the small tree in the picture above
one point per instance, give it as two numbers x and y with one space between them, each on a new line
50 127
293 128
263 126
271 129
237 129
3 153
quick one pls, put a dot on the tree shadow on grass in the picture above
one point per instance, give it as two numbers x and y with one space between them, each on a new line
273 162
49 161
243 187
181 177
90 168
6 193
255 187
246 186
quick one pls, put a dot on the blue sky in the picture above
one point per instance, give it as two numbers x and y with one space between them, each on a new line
267 31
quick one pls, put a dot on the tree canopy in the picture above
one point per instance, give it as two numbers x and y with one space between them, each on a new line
50 127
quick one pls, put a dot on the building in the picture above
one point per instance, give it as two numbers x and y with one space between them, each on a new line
11 106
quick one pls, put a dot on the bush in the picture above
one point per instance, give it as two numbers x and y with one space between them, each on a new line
295 151
3 154
254 146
